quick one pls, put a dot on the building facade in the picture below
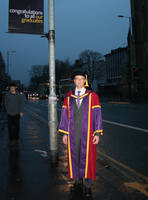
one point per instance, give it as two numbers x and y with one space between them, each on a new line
139 14
114 60
117 69
2 73
100 77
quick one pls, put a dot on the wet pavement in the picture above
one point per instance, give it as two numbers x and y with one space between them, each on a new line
26 173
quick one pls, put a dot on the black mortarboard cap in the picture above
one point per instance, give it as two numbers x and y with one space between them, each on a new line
12 84
78 73
81 74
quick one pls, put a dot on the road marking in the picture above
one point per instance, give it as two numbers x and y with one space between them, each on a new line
44 105
101 153
38 117
110 122
126 126
138 186
42 153
124 166
40 104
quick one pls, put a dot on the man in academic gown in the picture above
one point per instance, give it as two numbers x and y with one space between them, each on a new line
81 125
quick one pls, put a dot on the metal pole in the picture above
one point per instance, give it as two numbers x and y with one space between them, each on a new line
52 100
131 58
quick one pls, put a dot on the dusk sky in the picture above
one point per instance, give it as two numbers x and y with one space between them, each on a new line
79 24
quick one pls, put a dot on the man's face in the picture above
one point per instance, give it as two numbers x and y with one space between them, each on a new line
12 89
79 81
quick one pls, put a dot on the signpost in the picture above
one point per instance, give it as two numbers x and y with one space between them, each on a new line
26 16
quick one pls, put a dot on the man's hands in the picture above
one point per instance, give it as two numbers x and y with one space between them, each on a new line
96 139
21 114
65 139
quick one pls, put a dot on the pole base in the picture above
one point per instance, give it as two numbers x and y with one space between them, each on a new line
53 156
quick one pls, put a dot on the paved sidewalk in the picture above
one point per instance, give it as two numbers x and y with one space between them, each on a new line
27 174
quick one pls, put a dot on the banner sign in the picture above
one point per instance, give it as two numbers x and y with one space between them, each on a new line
26 16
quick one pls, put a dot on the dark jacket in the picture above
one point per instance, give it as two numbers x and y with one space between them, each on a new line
14 103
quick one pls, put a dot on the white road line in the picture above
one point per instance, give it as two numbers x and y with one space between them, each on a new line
114 123
45 105
40 104
126 126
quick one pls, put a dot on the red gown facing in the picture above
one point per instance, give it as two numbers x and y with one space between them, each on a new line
91 124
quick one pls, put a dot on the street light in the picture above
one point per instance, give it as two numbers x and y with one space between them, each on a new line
8 56
52 100
131 53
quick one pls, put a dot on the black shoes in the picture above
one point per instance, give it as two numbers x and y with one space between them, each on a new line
77 187
87 191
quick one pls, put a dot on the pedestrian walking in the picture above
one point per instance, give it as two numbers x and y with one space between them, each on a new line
14 104
81 126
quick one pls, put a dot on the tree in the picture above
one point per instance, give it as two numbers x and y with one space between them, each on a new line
63 69
40 73
36 70
91 61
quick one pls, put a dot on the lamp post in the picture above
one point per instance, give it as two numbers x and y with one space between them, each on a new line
132 61
52 100
8 56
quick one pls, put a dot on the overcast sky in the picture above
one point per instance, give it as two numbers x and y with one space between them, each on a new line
80 25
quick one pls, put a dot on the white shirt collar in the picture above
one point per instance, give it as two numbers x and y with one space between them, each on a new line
83 90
